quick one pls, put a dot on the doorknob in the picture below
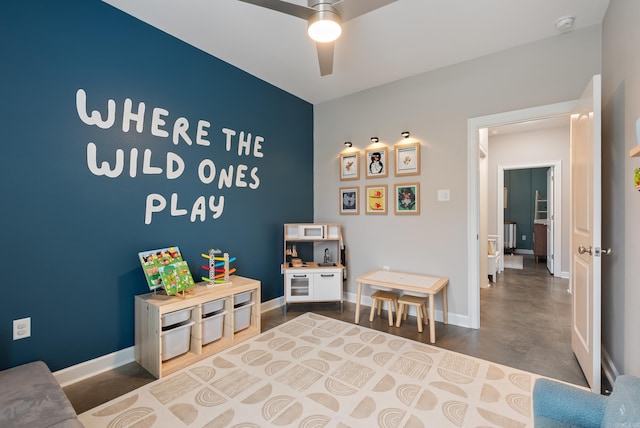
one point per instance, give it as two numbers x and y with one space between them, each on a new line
582 249
605 251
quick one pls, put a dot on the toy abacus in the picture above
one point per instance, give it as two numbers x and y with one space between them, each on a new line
218 268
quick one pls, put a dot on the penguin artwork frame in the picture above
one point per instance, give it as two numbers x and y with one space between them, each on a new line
376 161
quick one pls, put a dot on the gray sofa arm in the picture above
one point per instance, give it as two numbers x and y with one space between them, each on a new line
30 397
562 406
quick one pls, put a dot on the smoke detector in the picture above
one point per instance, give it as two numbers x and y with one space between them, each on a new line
565 23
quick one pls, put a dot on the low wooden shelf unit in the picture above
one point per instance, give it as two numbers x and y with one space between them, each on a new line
151 307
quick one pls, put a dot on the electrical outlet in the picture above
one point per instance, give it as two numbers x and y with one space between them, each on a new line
385 267
444 195
21 328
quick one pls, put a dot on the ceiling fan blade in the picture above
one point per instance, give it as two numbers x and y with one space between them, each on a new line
350 9
325 57
284 7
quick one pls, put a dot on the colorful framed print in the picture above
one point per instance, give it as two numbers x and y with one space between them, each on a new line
407 159
349 200
350 166
407 198
376 162
376 199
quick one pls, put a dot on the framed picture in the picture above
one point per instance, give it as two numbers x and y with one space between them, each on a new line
376 199
376 162
407 159
407 198
349 166
349 200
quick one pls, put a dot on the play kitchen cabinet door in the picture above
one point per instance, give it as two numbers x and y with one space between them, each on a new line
326 285
309 286
299 287
172 332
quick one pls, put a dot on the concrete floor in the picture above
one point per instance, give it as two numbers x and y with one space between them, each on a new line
525 321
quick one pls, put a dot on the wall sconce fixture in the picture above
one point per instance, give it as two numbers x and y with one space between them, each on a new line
348 144
375 139
405 134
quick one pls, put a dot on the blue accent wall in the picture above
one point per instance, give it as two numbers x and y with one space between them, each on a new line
72 226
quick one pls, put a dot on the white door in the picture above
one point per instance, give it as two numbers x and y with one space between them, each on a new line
585 231
550 219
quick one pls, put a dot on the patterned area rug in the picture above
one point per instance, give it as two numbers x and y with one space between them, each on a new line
314 371
513 261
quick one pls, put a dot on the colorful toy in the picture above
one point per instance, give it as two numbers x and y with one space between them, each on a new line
218 268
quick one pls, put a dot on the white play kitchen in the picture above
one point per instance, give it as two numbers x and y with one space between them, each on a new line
313 265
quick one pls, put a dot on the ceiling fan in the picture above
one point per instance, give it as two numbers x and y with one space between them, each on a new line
324 19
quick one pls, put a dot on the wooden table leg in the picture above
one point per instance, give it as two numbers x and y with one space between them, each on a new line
358 303
432 326
445 306
399 314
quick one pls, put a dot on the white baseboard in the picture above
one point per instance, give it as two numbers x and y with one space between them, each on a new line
94 367
276 303
87 369
608 367
523 251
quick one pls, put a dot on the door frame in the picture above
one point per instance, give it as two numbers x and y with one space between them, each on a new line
556 165
551 203
473 189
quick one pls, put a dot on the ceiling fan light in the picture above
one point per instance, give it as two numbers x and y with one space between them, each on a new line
324 26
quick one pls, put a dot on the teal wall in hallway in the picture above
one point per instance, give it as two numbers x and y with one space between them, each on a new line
522 185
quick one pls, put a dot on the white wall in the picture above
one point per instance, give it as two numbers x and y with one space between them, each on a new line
435 108
543 145
621 202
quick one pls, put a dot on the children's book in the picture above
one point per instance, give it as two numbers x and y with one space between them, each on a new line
153 260
176 277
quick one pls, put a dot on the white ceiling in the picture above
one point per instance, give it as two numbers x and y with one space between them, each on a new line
402 39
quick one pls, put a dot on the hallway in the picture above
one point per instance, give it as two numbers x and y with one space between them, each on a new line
525 322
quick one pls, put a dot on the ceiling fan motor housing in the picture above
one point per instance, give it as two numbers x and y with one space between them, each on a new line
325 24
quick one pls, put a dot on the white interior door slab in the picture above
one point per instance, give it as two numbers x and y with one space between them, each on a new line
586 231
550 220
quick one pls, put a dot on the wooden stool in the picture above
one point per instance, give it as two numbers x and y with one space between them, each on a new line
381 296
421 309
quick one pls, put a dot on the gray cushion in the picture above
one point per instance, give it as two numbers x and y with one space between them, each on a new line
31 397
